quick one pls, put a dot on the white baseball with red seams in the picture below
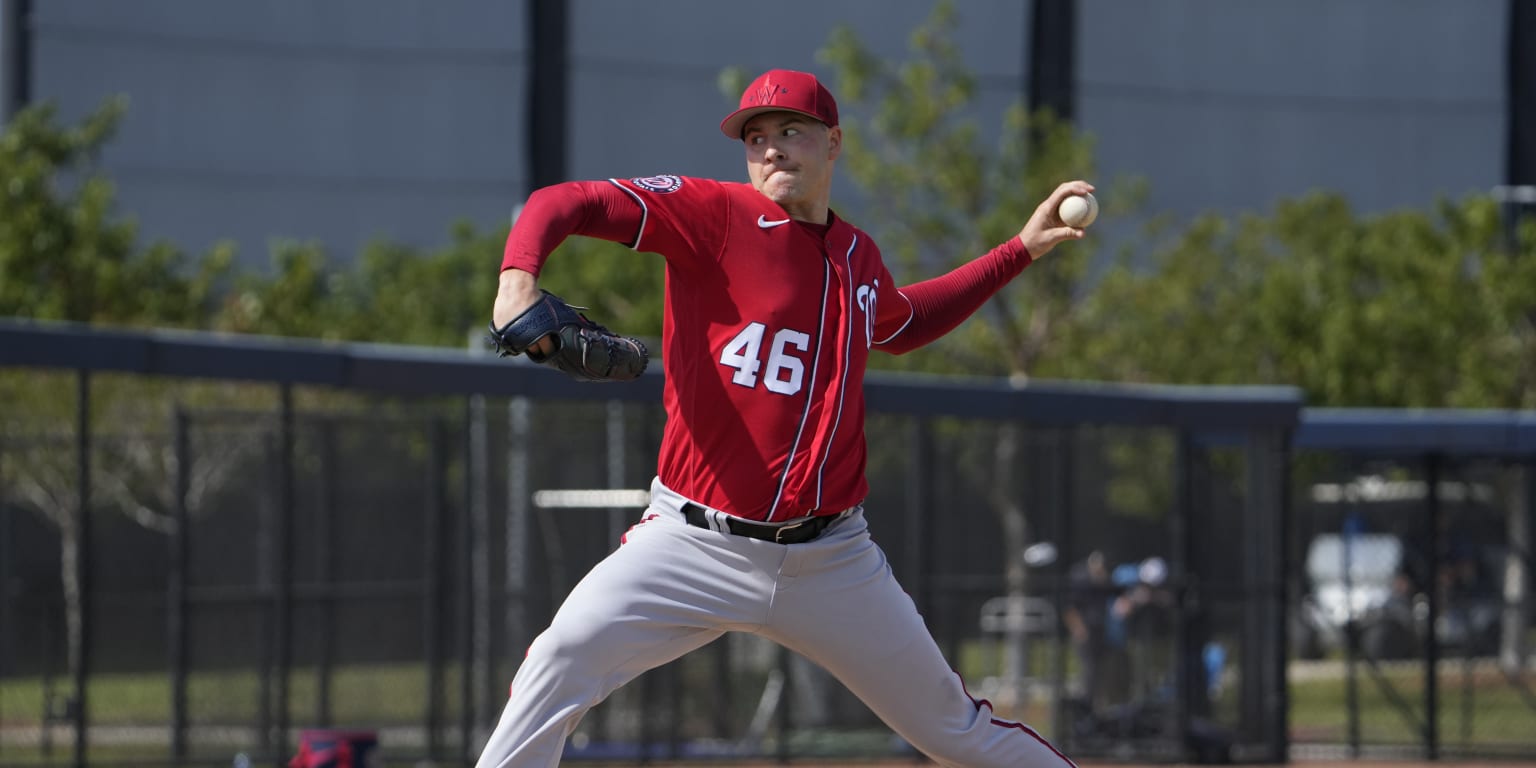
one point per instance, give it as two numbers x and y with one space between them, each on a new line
768 325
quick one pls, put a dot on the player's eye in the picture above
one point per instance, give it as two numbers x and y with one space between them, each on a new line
791 131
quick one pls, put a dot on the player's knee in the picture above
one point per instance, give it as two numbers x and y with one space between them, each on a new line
559 651
556 669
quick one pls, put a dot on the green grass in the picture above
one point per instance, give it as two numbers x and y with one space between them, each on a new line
1482 709
140 756
382 693
1485 709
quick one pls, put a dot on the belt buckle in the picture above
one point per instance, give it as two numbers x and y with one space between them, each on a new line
778 533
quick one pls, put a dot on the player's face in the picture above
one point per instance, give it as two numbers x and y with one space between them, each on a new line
789 157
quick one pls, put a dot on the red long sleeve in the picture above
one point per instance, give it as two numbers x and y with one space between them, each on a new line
941 303
592 208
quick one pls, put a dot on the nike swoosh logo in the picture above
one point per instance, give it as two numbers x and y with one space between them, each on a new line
762 221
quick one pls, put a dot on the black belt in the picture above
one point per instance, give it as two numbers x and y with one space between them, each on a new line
793 533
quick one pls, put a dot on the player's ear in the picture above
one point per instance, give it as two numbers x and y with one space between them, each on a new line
834 142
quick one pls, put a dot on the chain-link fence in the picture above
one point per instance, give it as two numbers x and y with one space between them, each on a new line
1413 632
204 557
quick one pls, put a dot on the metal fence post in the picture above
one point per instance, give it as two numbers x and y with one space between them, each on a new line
1061 522
786 729
264 584
1186 587
618 517
176 589
920 514
5 580
1432 467
282 602
1351 639
479 676
80 649
433 614
469 597
519 525
325 566
1280 724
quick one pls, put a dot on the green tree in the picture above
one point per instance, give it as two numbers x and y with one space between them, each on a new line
398 294
64 255
941 195
1401 309
67 255
391 293
439 298
296 297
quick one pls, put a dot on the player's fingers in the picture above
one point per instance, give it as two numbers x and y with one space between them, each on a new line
1075 187
1046 212
1062 234
1063 191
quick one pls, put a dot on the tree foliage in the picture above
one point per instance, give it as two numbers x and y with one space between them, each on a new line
1407 308
397 294
64 252
942 193
391 293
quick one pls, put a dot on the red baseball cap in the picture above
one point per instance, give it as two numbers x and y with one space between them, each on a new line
782 90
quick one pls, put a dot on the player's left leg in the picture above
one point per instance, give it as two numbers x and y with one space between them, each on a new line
667 590
839 605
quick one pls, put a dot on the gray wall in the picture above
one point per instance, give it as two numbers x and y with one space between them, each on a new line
1234 105
352 119
645 93
335 121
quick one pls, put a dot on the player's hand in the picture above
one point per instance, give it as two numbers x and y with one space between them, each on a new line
516 292
1045 228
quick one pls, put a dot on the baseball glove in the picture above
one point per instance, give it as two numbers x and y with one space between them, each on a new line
584 350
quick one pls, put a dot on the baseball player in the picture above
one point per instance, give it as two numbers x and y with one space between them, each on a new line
756 523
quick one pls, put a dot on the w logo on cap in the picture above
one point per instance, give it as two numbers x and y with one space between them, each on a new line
764 94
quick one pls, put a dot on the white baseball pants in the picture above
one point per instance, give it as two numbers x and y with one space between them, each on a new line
671 588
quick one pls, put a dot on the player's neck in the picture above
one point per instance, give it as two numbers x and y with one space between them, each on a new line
812 213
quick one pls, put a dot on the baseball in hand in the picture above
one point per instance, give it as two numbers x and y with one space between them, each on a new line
1079 210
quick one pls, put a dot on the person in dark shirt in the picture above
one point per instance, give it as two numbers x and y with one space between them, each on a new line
1091 592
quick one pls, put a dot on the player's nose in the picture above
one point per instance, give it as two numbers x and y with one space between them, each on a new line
772 152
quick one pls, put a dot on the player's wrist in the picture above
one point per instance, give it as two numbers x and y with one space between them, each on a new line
1016 248
516 291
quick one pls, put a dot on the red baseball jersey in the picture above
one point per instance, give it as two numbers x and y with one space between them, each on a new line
767 330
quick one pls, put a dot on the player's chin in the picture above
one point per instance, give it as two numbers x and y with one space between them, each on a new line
781 190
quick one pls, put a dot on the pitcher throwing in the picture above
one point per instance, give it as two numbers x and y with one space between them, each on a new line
756 521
